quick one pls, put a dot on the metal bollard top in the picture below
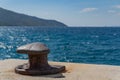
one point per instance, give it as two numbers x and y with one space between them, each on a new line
33 49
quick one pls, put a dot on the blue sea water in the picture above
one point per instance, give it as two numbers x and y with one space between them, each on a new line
74 44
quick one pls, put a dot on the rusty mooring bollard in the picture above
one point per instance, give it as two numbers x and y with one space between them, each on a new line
38 63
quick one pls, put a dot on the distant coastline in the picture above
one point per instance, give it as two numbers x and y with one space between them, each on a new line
11 18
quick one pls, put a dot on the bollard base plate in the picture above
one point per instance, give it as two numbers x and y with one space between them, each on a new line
23 69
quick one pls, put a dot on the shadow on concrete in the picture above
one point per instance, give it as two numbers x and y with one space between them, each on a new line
59 75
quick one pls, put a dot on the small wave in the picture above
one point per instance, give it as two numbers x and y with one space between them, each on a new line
47 39
2 45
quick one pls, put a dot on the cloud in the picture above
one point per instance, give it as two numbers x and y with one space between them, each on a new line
111 11
117 6
88 10
114 12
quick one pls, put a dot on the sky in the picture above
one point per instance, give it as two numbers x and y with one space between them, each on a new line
70 12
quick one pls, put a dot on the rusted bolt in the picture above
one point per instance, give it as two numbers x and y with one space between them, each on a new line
38 62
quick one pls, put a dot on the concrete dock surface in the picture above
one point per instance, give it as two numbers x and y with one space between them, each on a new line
74 71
